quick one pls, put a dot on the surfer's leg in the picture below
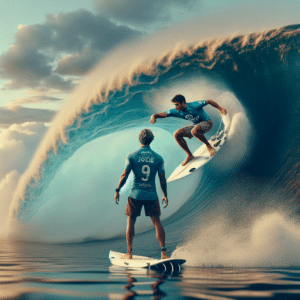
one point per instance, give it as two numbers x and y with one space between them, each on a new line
129 236
133 210
160 234
198 132
179 136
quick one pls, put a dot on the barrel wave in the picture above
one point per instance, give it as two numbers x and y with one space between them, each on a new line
67 192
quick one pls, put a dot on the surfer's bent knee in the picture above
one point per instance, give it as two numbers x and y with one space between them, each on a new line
179 133
197 130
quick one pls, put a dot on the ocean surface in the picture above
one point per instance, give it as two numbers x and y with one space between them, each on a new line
82 271
236 222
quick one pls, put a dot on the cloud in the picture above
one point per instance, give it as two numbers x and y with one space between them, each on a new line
77 64
7 187
48 56
17 145
66 44
144 12
21 115
71 32
30 100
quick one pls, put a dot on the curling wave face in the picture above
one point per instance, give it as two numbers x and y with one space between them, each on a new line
66 194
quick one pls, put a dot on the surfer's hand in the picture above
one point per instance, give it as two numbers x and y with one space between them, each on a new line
152 120
223 111
117 197
165 199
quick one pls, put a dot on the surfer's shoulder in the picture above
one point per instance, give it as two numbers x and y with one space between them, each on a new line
132 154
197 104
158 156
171 112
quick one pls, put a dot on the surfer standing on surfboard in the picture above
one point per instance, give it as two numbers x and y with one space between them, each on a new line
194 112
144 163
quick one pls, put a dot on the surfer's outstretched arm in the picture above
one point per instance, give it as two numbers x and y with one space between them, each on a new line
122 181
216 105
157 116
163 184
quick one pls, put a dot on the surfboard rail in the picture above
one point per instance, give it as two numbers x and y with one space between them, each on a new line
137 261
201 155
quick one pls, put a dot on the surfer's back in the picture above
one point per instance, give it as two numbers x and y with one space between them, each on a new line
144 163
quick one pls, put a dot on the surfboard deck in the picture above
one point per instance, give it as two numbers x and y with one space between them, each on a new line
201 155
138 261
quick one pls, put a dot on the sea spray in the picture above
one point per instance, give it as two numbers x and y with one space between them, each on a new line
273 240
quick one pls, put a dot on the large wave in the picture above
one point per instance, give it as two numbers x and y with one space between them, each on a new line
66 194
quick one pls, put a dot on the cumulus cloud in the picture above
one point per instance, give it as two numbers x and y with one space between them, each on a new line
66 44
55 54
8 185
21 115
77 64
17 145
144 12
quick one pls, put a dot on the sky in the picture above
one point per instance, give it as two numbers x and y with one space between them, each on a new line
47 47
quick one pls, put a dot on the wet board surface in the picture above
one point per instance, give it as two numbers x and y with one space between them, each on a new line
138 261
201 155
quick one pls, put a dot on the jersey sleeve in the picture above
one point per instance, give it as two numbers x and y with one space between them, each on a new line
199 104
171 112
128 165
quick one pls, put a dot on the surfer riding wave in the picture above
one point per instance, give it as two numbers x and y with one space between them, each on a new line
195 113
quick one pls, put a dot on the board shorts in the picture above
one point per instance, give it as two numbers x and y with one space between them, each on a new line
205 127
134 207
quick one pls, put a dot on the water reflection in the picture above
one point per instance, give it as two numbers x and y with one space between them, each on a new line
141 282
156 291
39 271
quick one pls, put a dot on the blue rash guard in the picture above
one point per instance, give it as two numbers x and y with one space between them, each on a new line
194 112
144 163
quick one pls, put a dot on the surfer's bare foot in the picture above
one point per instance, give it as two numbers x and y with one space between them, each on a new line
126 256
211 151
189 157
164 255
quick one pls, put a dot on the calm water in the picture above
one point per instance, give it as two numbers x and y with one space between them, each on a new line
83 271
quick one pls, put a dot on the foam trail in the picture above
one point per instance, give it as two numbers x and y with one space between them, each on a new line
273 240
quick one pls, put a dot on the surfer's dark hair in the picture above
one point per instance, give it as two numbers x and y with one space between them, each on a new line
146 137
178 98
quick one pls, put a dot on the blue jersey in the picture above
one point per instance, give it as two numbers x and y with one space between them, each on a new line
144 163
194 112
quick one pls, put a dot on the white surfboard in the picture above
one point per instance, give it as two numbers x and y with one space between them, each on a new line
138 261
202 155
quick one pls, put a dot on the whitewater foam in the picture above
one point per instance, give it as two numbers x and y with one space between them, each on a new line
272 240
